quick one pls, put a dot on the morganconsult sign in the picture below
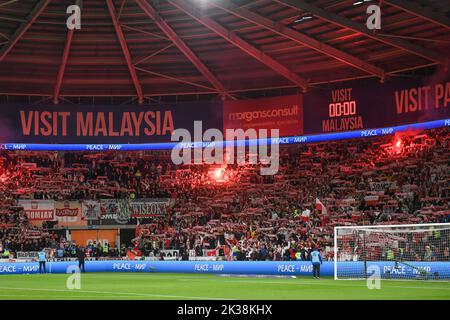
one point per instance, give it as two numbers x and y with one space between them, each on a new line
283 113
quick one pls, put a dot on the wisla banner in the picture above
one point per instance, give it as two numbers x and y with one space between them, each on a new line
103 124
125 211
370 104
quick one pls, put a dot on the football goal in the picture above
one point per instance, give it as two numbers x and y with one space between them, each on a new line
419 252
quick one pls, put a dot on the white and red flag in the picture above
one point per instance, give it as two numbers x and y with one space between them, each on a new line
138 229
321 207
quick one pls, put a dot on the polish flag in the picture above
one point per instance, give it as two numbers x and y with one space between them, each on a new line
138 229
320 206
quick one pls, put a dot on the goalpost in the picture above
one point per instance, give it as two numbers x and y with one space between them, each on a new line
410 251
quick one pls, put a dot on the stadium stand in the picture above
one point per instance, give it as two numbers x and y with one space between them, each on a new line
234 212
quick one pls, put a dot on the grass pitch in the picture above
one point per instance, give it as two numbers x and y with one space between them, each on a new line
132 286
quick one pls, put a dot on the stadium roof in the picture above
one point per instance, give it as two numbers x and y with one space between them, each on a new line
144 49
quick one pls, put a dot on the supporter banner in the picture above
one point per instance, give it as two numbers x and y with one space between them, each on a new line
91 210
67 209
144 208
34 234
370 104
210 252
287 268
115 211
68 214
27 255
127 211
39 210
170 253
284 113
83 237
107 124
210 258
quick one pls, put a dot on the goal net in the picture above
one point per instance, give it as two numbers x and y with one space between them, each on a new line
419 252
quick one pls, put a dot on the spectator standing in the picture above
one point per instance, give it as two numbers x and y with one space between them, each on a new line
42 256
81 257
316 260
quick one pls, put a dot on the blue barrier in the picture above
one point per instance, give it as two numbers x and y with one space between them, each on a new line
388 269
220 267
287 268
284 140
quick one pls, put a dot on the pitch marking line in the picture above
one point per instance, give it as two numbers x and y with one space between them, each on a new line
314 283
61 298
120 293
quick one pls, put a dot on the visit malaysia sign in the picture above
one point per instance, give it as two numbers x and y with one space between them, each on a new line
102 124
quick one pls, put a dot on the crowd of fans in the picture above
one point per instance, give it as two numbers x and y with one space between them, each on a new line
236 212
